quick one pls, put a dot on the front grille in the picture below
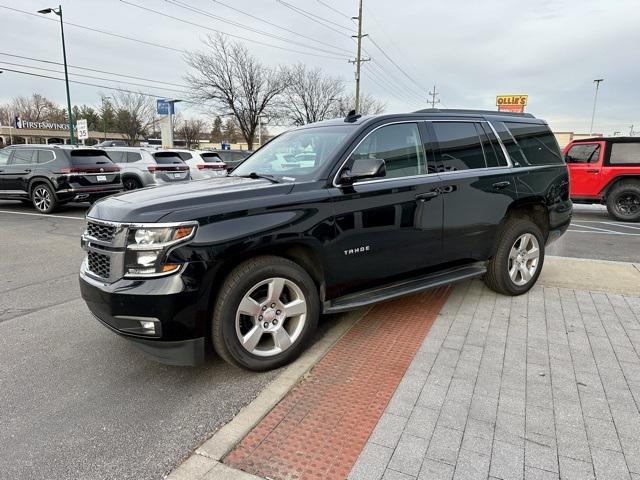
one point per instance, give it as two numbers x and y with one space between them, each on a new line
101 232
99 264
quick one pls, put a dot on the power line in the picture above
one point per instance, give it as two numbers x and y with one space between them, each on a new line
391 85
249 28
255 17
188 22
333 9
395 64
124 37
93 77
93 70
320 20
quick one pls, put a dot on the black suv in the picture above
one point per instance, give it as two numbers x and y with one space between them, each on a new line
49 176
325 218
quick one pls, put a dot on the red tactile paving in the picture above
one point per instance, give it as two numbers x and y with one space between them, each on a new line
318 430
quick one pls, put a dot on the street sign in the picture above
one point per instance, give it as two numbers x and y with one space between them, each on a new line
163 107
82 129
511 103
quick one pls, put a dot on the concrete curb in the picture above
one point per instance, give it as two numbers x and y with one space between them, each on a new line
205 463
593 275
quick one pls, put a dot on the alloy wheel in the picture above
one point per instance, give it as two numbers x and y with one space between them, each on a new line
523 259
628 203
42 199
271 317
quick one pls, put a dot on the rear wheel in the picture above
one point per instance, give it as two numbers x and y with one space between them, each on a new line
516 266
623 202
43 198
266 314
131 183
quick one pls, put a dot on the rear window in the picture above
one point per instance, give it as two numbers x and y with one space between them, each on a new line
211 157
538 144
167 158
625 154
89 157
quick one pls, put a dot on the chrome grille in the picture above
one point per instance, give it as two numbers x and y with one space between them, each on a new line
99 264
100 231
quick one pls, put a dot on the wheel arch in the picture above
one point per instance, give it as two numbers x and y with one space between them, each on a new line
33 182
617 181
534 209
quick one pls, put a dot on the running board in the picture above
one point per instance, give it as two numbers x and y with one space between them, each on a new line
402 288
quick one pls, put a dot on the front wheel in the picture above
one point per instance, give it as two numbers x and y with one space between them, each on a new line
266 313
623 203
519 257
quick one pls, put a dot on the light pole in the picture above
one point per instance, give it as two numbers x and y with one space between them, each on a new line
66 73
595 100
172 110
104 118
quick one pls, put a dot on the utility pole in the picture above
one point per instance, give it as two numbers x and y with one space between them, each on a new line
595 100
359 60
434 95
104 118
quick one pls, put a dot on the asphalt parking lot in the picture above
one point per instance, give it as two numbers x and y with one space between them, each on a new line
78 402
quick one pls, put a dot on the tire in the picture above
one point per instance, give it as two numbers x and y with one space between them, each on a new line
251 284
131 183
43 198
519 235
623 202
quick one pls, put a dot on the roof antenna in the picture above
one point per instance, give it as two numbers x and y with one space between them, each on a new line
352 116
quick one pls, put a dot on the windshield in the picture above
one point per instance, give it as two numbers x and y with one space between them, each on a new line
298 154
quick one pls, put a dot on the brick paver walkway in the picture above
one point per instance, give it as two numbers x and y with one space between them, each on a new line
542 386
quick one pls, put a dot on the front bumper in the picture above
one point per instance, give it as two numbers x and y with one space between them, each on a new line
179 338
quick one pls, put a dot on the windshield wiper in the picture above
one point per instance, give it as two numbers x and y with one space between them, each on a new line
259 175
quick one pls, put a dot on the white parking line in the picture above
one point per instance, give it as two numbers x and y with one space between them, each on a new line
606 232
619 224
42 215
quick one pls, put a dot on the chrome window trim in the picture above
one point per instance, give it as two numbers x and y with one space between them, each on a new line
422 175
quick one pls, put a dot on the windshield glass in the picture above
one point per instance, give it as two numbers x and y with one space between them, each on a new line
298 154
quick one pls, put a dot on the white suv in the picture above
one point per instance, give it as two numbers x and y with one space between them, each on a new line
202 164
142 167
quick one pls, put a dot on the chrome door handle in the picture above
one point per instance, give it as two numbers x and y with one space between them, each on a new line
427 195
501 185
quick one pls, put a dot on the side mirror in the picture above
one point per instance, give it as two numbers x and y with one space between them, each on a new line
568 159
363 168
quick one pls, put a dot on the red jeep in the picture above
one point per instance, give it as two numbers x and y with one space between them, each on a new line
606 170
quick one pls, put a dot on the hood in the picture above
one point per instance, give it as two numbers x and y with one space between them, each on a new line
185 201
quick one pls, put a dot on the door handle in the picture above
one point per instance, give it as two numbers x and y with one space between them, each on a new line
425 196
27 170
501 185
593 170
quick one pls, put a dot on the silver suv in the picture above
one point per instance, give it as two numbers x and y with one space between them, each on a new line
142 167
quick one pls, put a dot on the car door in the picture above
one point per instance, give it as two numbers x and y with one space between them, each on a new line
584 161
5 155
477 187
390 226
16 173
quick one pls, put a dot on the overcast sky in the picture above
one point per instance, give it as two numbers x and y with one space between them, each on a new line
471 50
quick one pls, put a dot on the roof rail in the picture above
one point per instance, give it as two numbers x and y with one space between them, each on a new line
481 112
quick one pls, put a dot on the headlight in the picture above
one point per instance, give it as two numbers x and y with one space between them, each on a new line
148 248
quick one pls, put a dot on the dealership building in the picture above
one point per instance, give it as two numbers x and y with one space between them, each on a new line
47 132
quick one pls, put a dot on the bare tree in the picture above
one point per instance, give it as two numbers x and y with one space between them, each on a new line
235 81
189 130
135 114
38 108
309 95
369 105
6 115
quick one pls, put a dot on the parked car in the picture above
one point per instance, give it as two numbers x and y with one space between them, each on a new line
48 176
202 164
389 206
232 158
112 143
143 167
607 171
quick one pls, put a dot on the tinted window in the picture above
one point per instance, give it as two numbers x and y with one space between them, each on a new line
133 157
588 153
399 146
460 147
167 158
45 156
23 156
513 149
625 153
89 157
494 155
210 157
4 156
185 155
537 143
117 156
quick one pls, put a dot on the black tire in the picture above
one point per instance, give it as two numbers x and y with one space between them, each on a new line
43 198
623 202
238 284
497 277
131 183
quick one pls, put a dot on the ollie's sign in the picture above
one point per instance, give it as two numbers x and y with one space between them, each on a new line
511 103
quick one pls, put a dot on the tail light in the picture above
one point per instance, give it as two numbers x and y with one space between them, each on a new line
211 166
168 168
151 169
85 171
